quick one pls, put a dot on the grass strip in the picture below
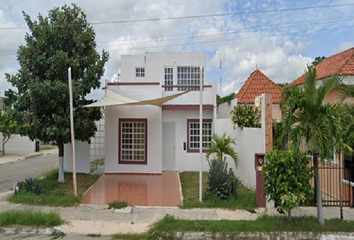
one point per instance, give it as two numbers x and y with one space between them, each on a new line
168 226
30 218
54 193
246 199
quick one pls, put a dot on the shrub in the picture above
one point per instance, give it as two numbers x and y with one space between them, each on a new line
221 182
117 205
287 179
246 116
29 184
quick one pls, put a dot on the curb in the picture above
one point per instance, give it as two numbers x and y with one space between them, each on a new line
31 231
265 236
34 156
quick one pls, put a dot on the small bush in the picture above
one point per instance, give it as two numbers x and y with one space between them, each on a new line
221 182
117 205
29 184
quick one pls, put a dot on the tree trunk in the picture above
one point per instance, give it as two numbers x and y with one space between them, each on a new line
3 148
289 215
318 191
61 163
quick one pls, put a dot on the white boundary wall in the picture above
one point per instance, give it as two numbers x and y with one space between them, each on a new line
82 157
18 143
249 141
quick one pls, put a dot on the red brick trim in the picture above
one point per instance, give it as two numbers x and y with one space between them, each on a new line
133 83
120 120
189 150
187 107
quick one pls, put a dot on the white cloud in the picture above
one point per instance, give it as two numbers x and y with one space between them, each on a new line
343 46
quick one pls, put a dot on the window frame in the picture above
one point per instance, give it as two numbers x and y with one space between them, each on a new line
189 121
187 75
139 73
132 120
168 80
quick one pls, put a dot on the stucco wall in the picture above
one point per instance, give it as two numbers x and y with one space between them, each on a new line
82 157
18 144
154 139
249 141
185 161
154 64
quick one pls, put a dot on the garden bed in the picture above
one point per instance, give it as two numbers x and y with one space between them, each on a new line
246 199
54 193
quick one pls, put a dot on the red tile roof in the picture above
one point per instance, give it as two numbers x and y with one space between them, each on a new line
341 64
257 84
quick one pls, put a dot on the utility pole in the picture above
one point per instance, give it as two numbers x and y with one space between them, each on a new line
72 132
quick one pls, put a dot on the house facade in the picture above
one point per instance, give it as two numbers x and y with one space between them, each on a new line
148 138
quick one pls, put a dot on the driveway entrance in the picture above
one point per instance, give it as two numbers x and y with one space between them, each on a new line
136 189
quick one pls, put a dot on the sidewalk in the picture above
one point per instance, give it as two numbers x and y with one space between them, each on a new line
13 156
88 219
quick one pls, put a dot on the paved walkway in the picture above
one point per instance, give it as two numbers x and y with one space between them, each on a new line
87 219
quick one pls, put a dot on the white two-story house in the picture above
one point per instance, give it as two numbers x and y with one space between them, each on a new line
149 138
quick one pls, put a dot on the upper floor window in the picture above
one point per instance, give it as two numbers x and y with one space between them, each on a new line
139 72
189 76
168 78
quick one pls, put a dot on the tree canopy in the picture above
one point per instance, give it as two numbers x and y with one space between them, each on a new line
54 43
317 60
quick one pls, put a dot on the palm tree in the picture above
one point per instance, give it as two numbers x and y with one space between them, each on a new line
312 124
222 146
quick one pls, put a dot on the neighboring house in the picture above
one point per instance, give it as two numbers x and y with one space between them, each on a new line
341 64
257 84
147 138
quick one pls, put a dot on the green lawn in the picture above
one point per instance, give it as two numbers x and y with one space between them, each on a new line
168 226
54 193
246 199
30 218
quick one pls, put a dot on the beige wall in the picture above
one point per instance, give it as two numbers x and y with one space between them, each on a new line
335 95
276 112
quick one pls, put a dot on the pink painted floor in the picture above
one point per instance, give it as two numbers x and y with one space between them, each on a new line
136 190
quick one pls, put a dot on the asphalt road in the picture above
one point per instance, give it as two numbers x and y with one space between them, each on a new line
20 170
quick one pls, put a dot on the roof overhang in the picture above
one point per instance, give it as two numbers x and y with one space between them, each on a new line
112 98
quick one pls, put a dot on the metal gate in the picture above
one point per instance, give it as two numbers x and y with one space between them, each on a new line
330 183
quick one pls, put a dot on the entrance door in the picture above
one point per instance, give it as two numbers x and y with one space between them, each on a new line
168 146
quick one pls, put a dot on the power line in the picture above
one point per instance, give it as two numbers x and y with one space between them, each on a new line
125 42
197 16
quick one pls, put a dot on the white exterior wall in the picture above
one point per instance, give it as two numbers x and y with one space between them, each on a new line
82 157
185 161
249 141
19 143
154 139
154 64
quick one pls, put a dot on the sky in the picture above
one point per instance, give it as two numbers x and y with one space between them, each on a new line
278 37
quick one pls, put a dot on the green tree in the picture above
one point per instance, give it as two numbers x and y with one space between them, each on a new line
311 123
317 60
63 39
228 98
287 179
221 147
8 126
244 115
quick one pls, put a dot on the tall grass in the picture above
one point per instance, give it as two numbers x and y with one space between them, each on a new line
30 218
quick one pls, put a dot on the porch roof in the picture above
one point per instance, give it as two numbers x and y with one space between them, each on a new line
112 98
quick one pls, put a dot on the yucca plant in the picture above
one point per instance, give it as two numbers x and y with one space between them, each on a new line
221 181
221 147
